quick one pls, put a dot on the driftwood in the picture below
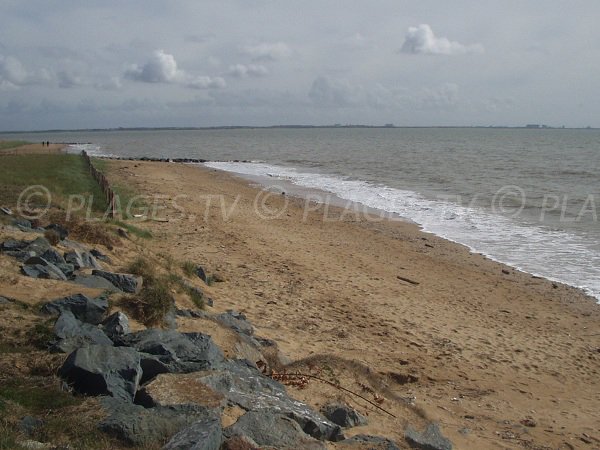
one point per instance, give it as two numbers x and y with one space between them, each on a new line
408 280
104 185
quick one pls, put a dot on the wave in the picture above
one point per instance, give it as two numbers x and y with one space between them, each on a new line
554 254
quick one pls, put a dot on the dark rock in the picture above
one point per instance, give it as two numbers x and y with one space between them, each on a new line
236 321
67 269
431 439
174 351
362 441
203 434
192 313
201 273
4 301
42 269
74 334
59 229
13 245
99 255
30 425
103 370
141 427
116 324
83 308
244 385
22 223
343 415
95 282
123 281
38 246
269 428
82 260
51 255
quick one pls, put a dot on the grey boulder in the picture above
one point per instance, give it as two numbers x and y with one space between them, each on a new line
116 324
244 385
37 267
82 260
430 439
236 321
173 352
205 434
83 308
269 428
343 415
125 282
103 370
142 427
73 334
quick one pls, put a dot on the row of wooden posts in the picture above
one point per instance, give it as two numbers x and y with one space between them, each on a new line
104 185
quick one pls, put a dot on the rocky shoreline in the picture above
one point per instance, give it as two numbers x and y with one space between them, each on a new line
158 385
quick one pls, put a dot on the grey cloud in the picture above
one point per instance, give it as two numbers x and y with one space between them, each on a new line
162 68
250 70
422 40
268 51
14 75
67 80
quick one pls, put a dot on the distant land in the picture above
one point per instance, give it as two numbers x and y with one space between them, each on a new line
243 127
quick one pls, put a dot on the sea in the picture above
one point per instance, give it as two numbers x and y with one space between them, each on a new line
529 198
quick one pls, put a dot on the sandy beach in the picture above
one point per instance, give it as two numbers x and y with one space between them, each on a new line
501 359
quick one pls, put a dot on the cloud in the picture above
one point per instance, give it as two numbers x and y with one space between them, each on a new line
250 70
421 40
67 80
268 51
328 92
325 91
13 74
162 68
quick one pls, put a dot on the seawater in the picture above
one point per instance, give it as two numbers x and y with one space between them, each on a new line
528 198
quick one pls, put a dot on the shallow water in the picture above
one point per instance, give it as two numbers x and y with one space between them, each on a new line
528 198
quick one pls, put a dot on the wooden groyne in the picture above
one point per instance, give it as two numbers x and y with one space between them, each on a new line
102 181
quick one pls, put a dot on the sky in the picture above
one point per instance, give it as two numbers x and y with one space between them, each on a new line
74 64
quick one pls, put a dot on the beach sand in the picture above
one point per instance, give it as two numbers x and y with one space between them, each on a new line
499 358
417 325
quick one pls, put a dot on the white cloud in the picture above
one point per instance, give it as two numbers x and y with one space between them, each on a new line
268 51
422 40
162 68
13 74
250 70
206 83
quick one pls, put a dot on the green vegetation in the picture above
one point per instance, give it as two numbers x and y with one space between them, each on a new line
63 175
189 268
34 395
132 229
5 145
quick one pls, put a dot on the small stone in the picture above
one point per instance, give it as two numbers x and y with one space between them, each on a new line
430 439
529 422
343 415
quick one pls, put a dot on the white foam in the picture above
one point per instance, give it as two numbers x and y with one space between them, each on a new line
554 254
90 149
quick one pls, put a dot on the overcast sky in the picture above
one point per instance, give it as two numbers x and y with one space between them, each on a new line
67 64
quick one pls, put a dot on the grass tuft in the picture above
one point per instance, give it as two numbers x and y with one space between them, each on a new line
189 268
132 229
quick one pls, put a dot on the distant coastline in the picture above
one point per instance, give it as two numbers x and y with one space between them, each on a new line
249 127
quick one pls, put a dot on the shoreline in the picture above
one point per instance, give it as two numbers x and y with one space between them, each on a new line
486 347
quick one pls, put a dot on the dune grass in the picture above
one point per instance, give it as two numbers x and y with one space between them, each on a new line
63 175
